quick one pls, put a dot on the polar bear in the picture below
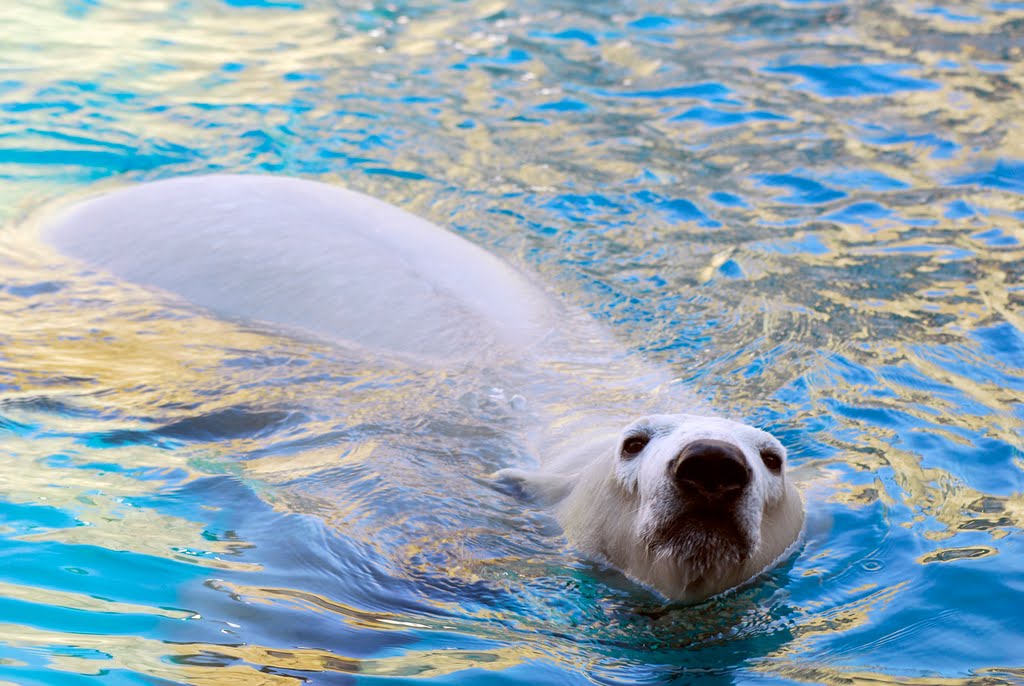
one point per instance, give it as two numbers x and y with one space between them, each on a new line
688 505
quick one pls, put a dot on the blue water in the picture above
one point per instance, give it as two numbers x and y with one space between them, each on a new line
812 213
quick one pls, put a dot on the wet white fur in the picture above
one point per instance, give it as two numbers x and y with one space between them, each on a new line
310 257
315 258
610 507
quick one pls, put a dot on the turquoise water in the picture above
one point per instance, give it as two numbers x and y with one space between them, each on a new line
810 212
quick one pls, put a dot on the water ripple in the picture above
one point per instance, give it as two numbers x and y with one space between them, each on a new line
809 212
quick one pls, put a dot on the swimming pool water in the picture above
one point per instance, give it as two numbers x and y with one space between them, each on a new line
810 212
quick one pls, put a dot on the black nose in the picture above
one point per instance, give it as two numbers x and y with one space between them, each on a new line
711 470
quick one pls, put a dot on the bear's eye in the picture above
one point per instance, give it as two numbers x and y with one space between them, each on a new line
772 459
634 445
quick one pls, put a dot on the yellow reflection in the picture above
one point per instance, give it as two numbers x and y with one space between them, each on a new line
98 499
248 665
938 495
86 603
354 616
141 655
837 676
844 617
89 363
953 554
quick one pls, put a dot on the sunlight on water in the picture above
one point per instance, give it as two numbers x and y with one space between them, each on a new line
811 213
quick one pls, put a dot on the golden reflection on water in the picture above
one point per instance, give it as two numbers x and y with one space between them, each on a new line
104 372
826 674
249 665
86 603
147 656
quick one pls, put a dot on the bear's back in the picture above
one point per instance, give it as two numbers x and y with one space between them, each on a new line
308 256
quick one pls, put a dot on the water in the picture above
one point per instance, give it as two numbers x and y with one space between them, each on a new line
810 213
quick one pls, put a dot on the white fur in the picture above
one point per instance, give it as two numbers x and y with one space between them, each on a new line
613 508
310 257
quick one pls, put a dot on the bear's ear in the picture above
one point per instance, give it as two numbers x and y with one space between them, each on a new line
544 487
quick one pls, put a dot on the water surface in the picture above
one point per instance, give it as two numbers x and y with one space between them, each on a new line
810 213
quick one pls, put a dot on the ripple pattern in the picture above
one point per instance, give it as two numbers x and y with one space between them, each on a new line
811 212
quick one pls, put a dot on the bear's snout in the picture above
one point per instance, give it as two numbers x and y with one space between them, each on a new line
710 470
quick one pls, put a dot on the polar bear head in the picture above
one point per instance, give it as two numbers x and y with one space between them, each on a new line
688 505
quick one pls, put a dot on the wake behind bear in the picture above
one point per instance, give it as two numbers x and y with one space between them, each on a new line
689 505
